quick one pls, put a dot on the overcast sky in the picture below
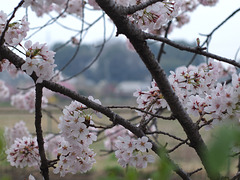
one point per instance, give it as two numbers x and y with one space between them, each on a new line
225 41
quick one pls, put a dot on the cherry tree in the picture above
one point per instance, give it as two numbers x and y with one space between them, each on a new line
195 96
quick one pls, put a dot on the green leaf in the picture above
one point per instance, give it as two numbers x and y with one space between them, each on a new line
220 147
2 142
165 169
132 174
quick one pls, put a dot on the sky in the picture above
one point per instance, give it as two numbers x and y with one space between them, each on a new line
225 41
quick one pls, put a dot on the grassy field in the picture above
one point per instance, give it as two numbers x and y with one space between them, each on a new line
184 156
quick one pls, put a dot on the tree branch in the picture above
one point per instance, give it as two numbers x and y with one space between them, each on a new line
195 50
161 50
38 126
222 23
141 6
137 38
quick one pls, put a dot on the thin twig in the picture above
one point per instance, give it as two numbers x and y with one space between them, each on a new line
177 146
51 21
195 50
208 39
193 172
97 56
161 50
8 21
49 114
167 134
132 9
139 109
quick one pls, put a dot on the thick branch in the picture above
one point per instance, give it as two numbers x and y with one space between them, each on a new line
137 38
38 126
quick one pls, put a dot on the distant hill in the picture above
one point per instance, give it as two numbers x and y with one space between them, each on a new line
116 63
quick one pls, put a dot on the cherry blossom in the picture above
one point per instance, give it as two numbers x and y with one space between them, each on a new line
39 59
74 152
208 2
155 16
24 152
5 65
16 32
142 144
112 135
40 7
51 144
130 151
93 4
31 177
19 130
4 91
27 101
200 92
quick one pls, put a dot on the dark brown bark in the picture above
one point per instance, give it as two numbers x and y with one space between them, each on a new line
38 126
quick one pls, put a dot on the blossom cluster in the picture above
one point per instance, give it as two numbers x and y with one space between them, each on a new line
199 91
5 65
21 144
208 2
24 152
19 130
51 144
41 7
150 100
112 134
16 32
74 152
155 16
27 101
39 59
130 151
31 177
22 148
152 18
4 91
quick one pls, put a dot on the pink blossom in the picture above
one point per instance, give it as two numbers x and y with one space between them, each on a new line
31 177
208 2
4 91
16 32
130 151
39 59
19 130
142 144
27 101
93 4
24 152
74 151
